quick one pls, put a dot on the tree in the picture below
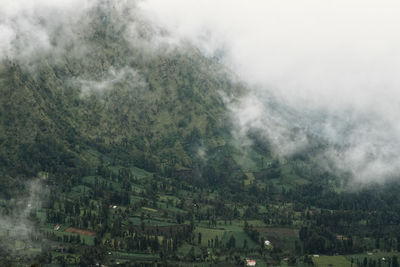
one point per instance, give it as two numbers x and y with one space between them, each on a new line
231 242
191 256
395 262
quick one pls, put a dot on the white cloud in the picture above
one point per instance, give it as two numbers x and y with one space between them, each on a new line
110 79
334 65
28 27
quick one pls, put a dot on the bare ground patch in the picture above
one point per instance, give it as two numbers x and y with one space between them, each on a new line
80 231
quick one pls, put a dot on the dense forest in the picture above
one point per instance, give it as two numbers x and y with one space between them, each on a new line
126 157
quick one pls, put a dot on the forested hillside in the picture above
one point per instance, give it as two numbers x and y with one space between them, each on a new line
159 109
125 154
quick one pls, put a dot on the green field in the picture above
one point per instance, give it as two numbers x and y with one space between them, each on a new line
150 222
331 261
208 234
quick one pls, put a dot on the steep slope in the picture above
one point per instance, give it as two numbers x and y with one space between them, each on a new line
158 108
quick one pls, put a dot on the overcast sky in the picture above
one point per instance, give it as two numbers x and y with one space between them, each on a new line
302 47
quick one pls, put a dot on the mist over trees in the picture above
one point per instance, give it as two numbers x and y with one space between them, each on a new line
143 133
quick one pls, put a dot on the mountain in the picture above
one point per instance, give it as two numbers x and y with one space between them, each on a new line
118 146
156 111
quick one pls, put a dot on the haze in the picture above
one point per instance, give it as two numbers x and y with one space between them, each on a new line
339 59
329 69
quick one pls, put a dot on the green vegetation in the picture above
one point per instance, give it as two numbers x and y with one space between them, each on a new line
145 171
325 261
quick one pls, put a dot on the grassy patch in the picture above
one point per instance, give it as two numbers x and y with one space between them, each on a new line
208 234
79 190
124 255
149 209
331 261
374 256
239 235
140 173
250 178
150 222
91 180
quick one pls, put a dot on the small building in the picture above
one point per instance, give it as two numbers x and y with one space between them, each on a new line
267 243
57 227
250 262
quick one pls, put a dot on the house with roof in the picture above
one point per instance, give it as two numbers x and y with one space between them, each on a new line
251 262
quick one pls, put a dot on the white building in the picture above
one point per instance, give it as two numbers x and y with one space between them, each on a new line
250 262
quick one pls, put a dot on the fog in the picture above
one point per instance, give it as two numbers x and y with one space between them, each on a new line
109 79
33 29
329 69
315 68
17 219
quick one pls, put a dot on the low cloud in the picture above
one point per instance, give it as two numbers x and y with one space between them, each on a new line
15 219
33 29
316 70
43 30
108 80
